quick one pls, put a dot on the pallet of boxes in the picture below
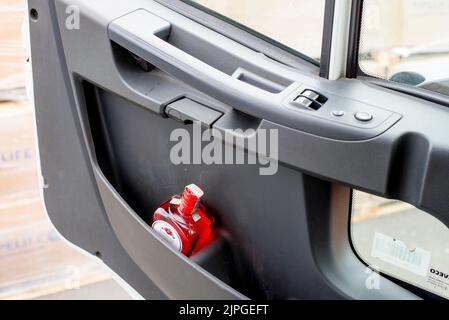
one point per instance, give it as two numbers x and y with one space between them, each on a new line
34 260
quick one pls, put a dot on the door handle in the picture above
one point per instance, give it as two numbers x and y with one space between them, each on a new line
142 33
145 35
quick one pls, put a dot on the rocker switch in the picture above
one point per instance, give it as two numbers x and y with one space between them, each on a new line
304 102
311 95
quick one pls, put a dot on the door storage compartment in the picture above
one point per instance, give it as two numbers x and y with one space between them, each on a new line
130 216
135 173
177 276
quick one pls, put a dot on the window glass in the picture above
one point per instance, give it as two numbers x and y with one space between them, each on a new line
399 240
297 24
407 41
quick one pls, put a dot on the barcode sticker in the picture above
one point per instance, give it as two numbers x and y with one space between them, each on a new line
396 252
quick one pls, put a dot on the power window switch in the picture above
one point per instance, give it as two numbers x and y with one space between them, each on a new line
304 102
311 95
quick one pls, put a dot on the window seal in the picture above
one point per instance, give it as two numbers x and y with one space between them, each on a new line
416 92
241 34
352 67
252 31
326 44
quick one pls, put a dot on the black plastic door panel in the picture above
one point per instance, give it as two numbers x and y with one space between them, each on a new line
109 94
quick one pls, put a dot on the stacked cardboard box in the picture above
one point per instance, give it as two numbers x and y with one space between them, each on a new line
34 260
12 53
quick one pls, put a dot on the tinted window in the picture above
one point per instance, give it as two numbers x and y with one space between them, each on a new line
407 41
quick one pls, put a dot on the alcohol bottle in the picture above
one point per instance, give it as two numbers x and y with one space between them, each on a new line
184 222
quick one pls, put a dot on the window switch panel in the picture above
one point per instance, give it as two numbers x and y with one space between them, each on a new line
311 95
317 99
304 102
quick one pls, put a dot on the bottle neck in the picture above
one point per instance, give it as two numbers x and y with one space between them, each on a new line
185 208
190 199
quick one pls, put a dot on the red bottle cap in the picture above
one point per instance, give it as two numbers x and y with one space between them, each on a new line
191 198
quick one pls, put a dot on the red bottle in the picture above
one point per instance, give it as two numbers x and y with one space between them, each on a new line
184 222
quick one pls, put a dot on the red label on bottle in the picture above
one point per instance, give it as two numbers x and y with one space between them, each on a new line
169 234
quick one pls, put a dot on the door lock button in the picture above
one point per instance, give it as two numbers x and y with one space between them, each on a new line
363 116
338 113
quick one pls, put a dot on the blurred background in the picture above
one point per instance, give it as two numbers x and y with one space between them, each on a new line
36 263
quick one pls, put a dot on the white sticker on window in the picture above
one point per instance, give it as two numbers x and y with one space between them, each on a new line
397 253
